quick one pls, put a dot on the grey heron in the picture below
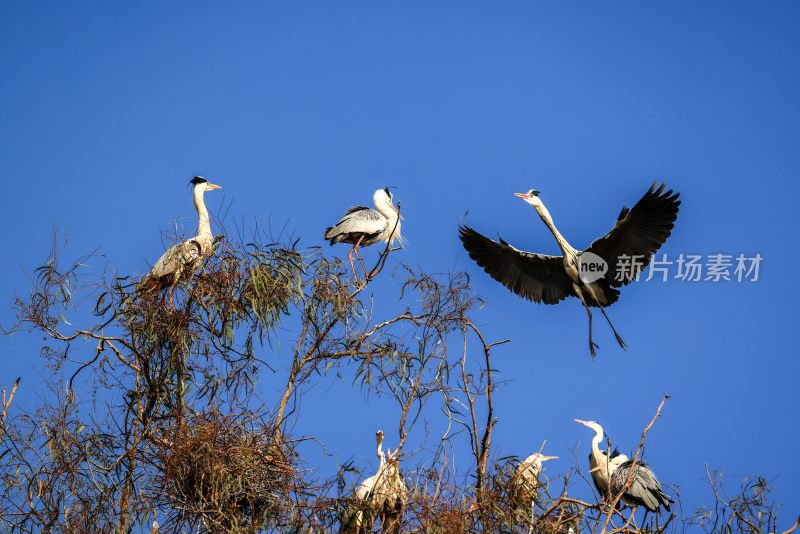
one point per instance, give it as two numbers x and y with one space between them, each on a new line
624 251
390 493
363 226
381 495
645 489
601 463
525 482
182 259
610 474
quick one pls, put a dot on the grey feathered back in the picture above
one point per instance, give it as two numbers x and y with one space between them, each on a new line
644 491
358 222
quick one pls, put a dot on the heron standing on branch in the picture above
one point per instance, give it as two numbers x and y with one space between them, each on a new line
601 463
637 235
610 473
182 259
363 226
383 494
645 489
525 483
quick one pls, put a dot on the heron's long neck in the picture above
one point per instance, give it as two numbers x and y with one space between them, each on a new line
565 247
596 440
387 212
392 221
204 222
381 456
536 467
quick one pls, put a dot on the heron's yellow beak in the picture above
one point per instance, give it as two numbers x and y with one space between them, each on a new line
580 421
211 187
522 195
545 458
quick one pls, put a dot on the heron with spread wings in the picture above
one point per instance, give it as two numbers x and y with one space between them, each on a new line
627 249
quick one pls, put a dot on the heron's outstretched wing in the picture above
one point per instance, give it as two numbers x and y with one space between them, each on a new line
637 235
536 277
357 220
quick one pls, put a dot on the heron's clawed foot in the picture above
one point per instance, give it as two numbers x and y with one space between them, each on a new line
620 341
616 334
593 348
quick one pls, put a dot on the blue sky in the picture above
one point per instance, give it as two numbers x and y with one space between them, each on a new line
300 111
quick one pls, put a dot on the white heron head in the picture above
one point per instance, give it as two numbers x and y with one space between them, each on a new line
591 424
537 458
203 185
531 197
379 438
383 199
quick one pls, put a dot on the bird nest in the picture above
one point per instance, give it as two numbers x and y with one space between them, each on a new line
226 473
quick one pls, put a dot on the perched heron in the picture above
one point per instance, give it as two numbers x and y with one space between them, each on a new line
363 226
602 463
623 253
358 518
645 489
610 473
525 483
182 259
381 495
390 494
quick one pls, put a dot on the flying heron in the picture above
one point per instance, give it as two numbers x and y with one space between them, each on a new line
625 251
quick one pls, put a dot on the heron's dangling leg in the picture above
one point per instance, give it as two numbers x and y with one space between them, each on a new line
592 345
616 335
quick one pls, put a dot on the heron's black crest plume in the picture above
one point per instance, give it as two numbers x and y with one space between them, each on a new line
388 193
533 192
198 180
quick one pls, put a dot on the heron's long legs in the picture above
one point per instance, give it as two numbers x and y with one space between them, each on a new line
592 345
350 257
361 261
616 335
352 265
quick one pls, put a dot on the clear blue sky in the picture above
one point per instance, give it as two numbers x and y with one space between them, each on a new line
300 110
